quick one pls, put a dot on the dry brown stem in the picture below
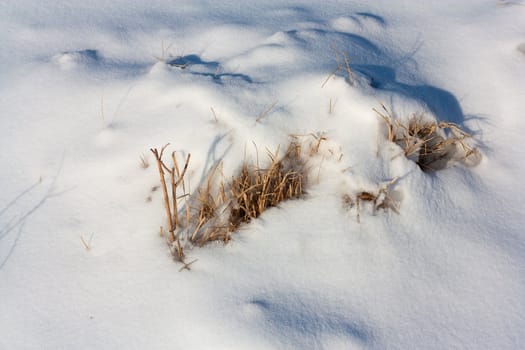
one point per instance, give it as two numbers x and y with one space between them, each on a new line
345 64
160 165
176 178
266 112
380 199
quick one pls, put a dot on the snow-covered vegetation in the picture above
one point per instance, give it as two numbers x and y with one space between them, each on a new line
404 224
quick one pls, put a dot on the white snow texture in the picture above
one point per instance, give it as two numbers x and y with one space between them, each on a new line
87 87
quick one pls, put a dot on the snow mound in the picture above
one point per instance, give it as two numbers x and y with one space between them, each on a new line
88 88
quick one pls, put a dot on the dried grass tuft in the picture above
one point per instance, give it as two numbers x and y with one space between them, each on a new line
379 199
432 145
218 208
255 189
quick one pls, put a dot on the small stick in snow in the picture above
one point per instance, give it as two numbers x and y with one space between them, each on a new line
187 265
87 245
161 166
266 112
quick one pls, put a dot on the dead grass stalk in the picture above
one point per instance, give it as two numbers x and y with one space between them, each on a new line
176 177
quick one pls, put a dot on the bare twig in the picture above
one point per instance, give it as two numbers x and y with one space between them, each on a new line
161 167
87 245
186 266
266 112
214 115
144 163
348 70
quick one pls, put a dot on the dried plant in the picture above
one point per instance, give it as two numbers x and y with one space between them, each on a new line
342 65
206 214
256 189
430 144
221 208
215 210
171 207
86 243
380 199
144 163
317 144
266 112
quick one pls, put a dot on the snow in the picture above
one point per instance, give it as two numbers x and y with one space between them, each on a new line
86 88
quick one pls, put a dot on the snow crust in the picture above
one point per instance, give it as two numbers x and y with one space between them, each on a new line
86 88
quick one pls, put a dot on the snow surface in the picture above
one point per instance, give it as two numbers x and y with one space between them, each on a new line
86 87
